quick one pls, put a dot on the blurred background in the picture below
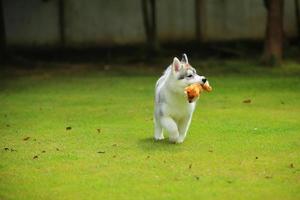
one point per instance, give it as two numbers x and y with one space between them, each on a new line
148 30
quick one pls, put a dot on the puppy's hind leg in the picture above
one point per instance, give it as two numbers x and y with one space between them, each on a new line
158 131
170 125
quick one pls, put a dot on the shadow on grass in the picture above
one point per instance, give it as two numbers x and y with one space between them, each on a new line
149 144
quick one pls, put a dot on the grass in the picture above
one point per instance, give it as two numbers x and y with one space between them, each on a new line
234 150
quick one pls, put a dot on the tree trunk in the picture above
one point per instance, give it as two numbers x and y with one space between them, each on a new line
149 19
2 34
272 55
61 18
198 19
297 18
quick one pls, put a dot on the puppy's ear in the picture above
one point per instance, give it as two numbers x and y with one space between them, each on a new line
184 59
176 64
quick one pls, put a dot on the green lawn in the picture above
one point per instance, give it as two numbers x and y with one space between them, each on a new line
234 150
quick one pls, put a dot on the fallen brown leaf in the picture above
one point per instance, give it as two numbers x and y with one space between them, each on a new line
247 101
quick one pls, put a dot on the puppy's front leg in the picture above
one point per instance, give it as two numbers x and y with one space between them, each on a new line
170 126
183 127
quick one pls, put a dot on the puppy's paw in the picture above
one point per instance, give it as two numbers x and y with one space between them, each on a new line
180 140
173 139
159 138
176 140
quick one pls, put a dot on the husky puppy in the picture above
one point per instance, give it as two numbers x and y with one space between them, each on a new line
173 112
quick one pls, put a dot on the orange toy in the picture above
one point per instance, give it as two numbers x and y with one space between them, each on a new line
193 91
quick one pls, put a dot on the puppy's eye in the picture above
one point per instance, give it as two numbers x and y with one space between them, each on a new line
190 76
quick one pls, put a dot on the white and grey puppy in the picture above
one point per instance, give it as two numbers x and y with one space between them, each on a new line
173 112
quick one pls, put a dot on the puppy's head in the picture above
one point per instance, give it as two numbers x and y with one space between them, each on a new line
184 73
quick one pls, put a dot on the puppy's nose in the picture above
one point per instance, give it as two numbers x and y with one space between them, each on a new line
204 80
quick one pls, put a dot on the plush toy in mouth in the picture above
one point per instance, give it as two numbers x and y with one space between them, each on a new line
193 91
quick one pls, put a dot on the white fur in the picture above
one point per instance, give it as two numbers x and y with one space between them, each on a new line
173 112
